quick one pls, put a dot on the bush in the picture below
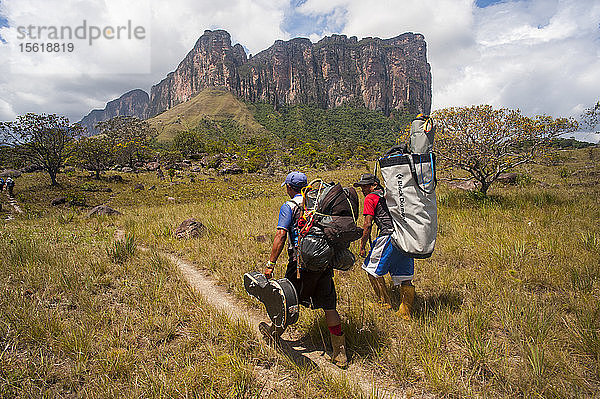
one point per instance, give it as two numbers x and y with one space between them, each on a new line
122 250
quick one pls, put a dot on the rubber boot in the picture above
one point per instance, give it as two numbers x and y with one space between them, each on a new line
338 357
408 297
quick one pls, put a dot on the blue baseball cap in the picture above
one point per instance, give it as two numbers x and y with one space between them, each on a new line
296 180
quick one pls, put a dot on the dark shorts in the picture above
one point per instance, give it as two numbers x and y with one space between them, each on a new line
315 289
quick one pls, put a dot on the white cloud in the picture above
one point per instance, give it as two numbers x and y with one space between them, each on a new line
537 55
73 84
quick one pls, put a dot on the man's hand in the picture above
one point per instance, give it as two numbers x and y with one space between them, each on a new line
362 252
269 268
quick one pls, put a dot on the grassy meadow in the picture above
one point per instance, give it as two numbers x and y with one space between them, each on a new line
508 305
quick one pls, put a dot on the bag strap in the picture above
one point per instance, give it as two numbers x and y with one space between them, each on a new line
413 171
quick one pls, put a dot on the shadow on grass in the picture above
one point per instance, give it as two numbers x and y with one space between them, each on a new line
429 305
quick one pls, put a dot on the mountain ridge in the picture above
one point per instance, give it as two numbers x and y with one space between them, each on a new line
380 74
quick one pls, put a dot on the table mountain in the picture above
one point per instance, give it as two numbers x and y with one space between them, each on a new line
132 103
381 74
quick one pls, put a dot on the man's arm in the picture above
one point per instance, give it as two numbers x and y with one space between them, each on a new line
278 245
367 225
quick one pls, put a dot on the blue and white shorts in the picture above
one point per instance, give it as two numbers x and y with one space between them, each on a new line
385 258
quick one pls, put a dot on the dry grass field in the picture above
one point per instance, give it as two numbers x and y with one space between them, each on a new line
508 305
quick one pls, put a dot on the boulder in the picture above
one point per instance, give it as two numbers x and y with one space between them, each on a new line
10 173
468 185
508 178
152 166
102 210
261 238
196 169
58 201
127 169
115 179
212 162
232 169
170 199
138 186
190 228
30 169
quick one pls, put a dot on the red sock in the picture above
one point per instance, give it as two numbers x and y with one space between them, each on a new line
336 330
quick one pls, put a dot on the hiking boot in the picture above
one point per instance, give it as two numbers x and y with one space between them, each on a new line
338 357
269 331
408 297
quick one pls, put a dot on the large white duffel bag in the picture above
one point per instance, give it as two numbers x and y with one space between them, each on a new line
410 182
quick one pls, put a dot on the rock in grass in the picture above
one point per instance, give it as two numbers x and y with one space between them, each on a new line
102 210
138 186
10 173
115 179
508 178
58 201
190 228
468 185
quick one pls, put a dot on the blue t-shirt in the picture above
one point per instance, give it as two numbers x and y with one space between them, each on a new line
285 221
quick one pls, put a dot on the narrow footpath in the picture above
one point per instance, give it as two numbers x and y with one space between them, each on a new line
372 385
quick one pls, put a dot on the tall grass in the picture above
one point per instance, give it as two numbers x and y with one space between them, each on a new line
507 306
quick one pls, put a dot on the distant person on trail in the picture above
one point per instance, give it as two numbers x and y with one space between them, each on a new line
1 184
315 289
10 185
384 258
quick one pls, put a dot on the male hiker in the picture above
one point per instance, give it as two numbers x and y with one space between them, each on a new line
314 289
384 257
10 185
1 184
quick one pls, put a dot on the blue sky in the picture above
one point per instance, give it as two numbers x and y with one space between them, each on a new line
541 56
3 23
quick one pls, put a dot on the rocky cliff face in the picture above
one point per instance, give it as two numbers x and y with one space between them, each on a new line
132 103
381 74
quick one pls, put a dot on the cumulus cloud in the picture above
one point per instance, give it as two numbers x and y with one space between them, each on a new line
74 83
542 56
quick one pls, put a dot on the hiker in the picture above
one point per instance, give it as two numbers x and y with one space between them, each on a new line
1 184
383 257
315 289
10 185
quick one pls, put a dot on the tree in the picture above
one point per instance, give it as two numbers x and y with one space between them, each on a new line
591 116
95 154
486 142
130 137
42 140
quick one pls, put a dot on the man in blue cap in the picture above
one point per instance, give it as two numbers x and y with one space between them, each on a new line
315 289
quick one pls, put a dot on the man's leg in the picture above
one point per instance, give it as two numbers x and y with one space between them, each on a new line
381 291
402 274
338 341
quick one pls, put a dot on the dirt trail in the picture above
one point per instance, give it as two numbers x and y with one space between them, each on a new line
371 384
14 204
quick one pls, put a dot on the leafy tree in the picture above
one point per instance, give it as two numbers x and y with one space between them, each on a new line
591 116
188 142
130 137
43 140
486 142
95 154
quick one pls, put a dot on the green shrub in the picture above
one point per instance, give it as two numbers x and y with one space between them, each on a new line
122 250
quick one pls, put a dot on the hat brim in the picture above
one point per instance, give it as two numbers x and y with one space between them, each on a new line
362 183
